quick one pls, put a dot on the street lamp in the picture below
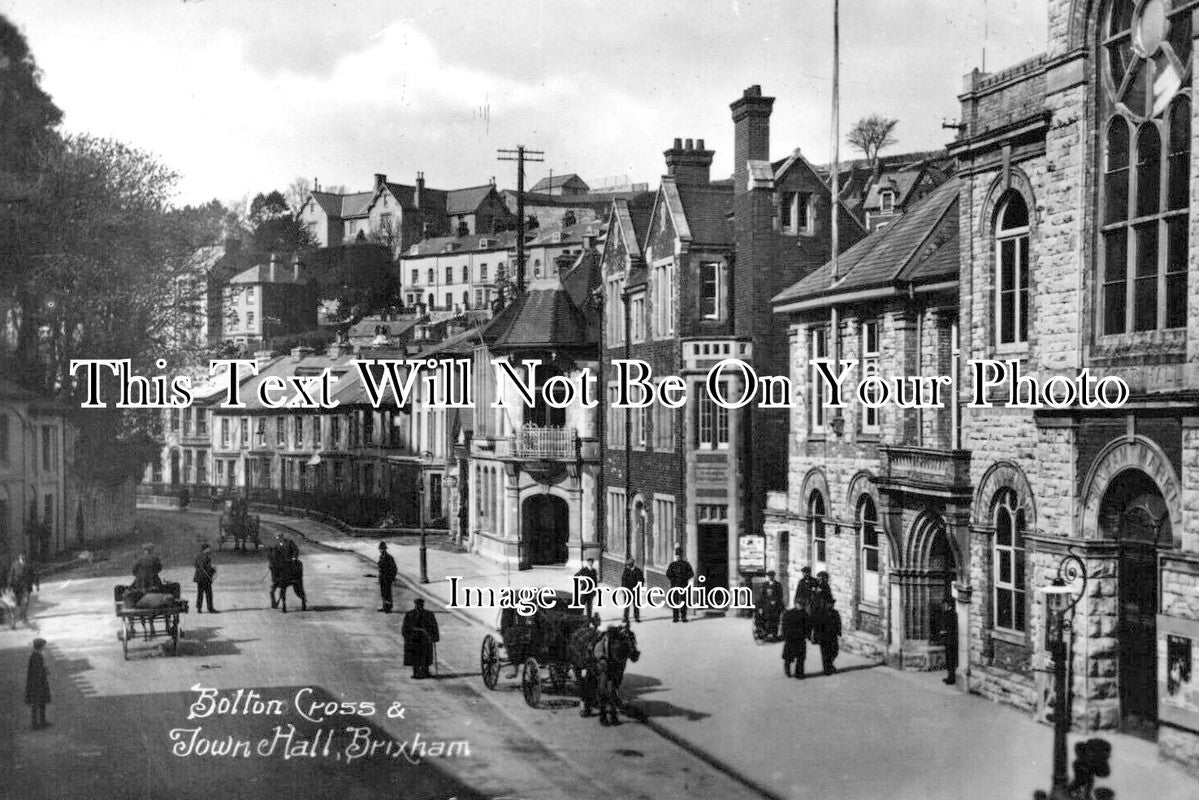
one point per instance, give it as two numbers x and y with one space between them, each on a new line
1061 596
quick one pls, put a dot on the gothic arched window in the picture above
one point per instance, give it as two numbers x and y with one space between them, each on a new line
868 532
817 531
1008 559
1011 279
1145 120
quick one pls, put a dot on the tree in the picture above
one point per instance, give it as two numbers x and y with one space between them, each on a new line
871 134
297 193
28 116
273 226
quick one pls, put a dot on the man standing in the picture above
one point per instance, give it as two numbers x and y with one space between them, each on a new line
807 589
387 576
286 570
772 604
21 579
947 633
146 570
203 576
588 571
830 637
37 685
679 573
824 590
630 579
795 640
420 634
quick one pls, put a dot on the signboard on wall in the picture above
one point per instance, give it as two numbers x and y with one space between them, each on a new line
751 553
1178 685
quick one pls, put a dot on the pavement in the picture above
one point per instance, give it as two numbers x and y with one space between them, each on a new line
867 732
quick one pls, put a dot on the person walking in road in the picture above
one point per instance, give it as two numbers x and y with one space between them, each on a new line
420 635
37 686
203 576
679 573
147 569
21 580
829 636
947 634
387 576
286 570
795 640
588 571
630 579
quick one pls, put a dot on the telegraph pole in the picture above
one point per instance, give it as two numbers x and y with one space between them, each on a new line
520 155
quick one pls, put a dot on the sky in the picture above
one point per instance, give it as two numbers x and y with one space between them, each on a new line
242 96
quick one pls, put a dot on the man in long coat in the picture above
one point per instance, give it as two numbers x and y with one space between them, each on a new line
947 634
146 570
286 570
795 640
829 637
588 571
807 589
387 575
203 575
679 573
420 633
629 579
37 685
21 579
772 604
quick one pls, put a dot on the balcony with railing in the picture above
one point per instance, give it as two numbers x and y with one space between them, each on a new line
926 470
537 443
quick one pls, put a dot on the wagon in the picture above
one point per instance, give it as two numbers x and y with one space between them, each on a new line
130 615
533 644
238 524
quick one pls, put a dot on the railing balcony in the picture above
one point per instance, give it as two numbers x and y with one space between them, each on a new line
533 441
926 470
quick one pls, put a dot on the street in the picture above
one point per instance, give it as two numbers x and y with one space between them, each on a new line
122 728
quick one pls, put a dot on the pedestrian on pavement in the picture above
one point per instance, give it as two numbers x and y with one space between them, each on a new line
795 640
387 576
679 573
37 686
147 569
830 637
630 579
947 634
203 576
420 635
824 589
806 589
772 604
21 580
588 571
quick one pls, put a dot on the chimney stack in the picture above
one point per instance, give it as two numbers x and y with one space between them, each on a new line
751 132
271 271
420 189
689 163
380 179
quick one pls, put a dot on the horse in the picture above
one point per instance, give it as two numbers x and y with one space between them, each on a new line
581 649
286 572
613 650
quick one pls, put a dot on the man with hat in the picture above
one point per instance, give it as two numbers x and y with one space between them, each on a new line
387 576
146 570
202 577
772 604
679 573
630 579
37 685
807 590
420 634
588 571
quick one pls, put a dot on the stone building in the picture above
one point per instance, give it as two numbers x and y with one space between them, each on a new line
33 474
688 277
1075 250
268 301
455 273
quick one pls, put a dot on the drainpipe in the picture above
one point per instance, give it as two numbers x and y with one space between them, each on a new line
955 371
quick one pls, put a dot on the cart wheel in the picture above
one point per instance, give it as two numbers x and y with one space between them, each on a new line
530 682
489 662
559 676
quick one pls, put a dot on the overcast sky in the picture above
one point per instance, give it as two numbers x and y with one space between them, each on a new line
241 96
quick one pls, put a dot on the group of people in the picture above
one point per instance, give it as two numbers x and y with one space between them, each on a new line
678 574
812 617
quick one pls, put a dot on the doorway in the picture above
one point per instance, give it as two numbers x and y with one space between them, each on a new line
545 529
713 554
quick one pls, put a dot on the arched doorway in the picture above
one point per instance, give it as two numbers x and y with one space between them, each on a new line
1134 513
927 579
545 529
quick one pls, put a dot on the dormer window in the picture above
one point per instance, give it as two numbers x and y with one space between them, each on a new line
886 202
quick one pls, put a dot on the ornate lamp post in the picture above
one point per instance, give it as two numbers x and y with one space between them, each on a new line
1061 596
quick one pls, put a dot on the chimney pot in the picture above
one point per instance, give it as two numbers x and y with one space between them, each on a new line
699 144
754 91
690 145
380 179
678 144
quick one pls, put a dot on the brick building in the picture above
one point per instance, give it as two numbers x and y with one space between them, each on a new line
1075 249
688 277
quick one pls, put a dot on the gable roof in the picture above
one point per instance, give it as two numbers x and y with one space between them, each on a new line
900 182
468 200
556 181
478 242
707 209
544 316
919 247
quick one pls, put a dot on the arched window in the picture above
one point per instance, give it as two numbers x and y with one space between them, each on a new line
1008 565
817 532
868 536
1145 119
1011 270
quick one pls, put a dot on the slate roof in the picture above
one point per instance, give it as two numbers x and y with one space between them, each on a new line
574 233
554 181
544 316
466 201
900 182
437 245
355 205
707 209
920 246
261 273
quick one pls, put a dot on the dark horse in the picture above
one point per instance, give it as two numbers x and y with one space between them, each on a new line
603 666
286 572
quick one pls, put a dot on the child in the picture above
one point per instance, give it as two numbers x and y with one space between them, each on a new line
37 686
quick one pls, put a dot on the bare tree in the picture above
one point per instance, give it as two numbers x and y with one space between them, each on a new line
871 134
297 193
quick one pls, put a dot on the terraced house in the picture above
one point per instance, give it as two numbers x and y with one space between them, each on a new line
1067 241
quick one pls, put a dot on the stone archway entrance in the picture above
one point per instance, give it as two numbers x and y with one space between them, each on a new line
545 529
1134 513
927 579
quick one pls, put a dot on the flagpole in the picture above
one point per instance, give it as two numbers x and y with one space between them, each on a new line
836 133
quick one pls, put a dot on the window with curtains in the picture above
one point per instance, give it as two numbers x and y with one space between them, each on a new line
1011 270
1145 122
1008 565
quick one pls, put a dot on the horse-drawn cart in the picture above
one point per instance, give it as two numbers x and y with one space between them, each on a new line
162 605
238 524
531 644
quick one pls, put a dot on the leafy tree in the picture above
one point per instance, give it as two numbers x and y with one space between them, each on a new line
297 193
28 116
273 226
871 134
